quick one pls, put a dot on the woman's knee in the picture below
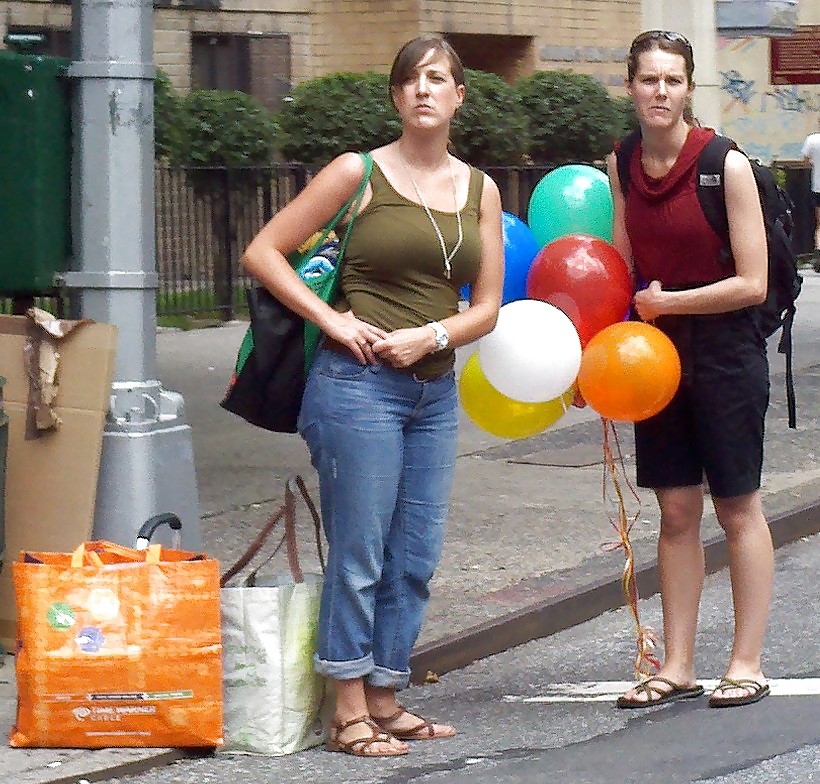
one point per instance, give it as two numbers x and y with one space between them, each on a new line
681 512
739 514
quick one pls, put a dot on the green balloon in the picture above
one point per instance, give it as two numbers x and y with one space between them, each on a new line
573 199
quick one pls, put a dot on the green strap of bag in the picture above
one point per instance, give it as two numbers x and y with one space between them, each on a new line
325 282
276 353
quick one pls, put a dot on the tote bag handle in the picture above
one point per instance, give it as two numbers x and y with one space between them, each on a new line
93 554
287 512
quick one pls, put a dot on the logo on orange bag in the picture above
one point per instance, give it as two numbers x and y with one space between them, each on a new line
61 616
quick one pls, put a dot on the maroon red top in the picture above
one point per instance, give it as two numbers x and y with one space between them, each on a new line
671 239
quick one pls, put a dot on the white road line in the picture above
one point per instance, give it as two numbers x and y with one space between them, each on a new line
608 691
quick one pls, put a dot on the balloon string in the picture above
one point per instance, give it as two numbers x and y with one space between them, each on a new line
646 662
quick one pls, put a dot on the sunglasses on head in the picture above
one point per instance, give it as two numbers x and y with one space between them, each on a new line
658 35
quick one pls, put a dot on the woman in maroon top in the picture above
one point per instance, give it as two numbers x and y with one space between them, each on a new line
714 425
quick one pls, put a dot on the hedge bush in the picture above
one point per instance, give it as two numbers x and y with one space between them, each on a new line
167 118
327 116
490 129
625 112
220 128
551 116
352 111
571 116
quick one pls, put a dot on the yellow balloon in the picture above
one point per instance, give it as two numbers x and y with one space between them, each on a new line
500 415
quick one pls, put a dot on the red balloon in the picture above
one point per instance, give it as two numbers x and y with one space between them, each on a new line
586 278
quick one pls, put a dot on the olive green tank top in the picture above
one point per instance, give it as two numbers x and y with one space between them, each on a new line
393 273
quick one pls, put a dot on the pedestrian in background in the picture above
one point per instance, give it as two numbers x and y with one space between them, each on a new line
811 154
714 425
379 413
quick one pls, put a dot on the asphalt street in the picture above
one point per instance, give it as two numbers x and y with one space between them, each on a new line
526 526
507 735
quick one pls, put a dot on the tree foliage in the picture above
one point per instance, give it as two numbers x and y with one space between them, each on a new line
571 116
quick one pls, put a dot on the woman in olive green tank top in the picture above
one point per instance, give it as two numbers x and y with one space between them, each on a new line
379 414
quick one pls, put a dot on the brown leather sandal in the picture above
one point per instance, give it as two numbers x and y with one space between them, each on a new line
754 692
424 730
360 747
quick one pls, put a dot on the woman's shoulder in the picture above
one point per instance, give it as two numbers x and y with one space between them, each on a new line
486 190
348 166
477 175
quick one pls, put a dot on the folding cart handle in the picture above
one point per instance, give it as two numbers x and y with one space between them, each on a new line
151 524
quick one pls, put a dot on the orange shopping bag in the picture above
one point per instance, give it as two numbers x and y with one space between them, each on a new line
117 647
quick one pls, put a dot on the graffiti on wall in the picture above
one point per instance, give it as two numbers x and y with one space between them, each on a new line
768 121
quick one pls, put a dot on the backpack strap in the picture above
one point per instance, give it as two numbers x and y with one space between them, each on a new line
623 158
711 189
785 347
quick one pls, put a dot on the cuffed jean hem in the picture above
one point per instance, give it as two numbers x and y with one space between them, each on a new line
344 670
382 678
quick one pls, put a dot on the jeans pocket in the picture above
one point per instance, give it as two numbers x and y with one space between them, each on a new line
341 367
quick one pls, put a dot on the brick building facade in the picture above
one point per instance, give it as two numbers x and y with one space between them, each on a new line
265 46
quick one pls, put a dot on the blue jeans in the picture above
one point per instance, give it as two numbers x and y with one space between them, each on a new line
384 445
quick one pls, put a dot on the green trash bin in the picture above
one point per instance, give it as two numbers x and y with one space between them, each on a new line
35 158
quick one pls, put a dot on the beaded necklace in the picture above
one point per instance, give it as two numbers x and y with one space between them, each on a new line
448 257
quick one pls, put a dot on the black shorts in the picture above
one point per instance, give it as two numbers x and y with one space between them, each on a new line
715 423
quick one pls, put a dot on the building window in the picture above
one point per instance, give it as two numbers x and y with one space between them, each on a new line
39 40
253 64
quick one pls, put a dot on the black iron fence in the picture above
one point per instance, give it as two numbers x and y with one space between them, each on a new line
205 217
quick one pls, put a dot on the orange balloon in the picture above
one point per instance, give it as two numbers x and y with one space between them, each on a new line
629 371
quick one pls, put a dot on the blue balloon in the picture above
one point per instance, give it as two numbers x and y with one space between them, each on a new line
520 248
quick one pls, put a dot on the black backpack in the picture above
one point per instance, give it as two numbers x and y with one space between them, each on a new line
785 281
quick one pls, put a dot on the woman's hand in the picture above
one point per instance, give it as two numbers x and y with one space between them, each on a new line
649 301
357 335
404 347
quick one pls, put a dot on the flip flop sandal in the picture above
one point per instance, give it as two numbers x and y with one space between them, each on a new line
755 692
673 694
360 747
424 730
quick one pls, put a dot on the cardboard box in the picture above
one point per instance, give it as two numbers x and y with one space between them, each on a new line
51 481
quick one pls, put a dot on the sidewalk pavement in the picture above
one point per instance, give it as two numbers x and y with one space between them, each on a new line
524 554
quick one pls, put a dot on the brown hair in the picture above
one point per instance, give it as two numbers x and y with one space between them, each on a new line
665 40
412 53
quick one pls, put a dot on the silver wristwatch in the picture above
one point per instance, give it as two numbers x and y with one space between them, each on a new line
442 335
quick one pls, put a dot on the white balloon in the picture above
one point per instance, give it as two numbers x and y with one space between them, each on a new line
534 352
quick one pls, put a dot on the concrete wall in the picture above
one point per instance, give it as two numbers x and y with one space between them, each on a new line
768 121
